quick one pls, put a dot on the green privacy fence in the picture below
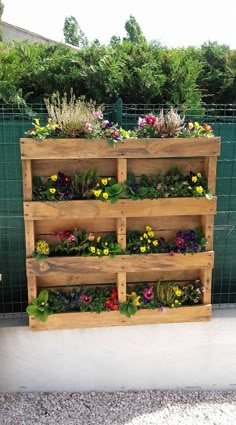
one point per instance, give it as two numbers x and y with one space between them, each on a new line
13 124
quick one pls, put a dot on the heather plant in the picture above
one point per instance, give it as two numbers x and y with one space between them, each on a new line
71 115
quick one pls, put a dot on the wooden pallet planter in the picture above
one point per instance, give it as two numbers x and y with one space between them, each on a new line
164 215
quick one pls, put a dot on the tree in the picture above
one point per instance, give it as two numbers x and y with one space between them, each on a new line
1 12
73 33
134 32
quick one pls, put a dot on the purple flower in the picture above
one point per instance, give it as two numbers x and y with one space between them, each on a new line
98 115
148 293
105 124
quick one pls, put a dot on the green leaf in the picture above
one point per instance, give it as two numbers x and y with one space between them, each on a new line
43 316
43 296
32 310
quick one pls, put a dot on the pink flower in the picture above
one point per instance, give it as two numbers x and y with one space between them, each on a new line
159 186
85 298
88 127
116 134
148 293
91 237
141 122
98 115
71 238
150 120
171 253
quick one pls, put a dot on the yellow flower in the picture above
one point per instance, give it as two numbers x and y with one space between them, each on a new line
98 238
98 251
155 243
97 185
36 120
54 178
136 301
141 238
105 195
196 125
145 235
148 228
42 247
92 249
176 302
190 125
194 179
106 243
172 305
52 190
104 182
151 234
149 241
199 189
97 193
106 251
49 120
142 248
178 292
199 175
109 179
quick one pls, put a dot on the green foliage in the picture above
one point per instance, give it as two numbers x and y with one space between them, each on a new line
73 33
134 32
39 307
1 12
83 183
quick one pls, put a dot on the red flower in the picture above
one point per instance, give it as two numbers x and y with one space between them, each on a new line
85 298
115 307
114 293
179 242
150 120
207 127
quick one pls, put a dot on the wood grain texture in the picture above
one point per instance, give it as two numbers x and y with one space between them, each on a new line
151 167
32 288
121 286
29 238
137 148
121 263
199 313
207 225
110 278
27 180
123 207
97 225
210 172
44 167
206 280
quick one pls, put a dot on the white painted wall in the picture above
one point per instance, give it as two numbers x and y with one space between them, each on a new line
187 355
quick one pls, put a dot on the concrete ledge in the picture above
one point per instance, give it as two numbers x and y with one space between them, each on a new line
168 356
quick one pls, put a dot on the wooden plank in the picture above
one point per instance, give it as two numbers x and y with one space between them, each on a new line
210 172
98 226
206 279
151 167
121 170
199 313
121 286
137 148
29 238
207 225
121 231
160 224
27 180
110 278
32 288
125 263
104 167
123 207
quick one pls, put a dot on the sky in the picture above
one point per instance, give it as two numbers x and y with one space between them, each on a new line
173 23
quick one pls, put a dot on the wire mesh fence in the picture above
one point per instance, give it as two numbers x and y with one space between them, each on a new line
13 124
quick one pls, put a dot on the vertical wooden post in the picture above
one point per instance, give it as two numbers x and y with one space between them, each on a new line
206 279
32 288
27 179
121 170
207 224
121 286
121 231
210 172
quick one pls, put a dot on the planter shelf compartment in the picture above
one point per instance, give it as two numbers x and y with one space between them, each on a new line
166 216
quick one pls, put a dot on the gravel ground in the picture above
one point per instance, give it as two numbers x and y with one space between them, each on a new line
120 408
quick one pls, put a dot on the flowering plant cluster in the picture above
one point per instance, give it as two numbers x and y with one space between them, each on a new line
171 185
86 244
161 295
194 129
186 241
75 242
143 296
82 185
77 118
